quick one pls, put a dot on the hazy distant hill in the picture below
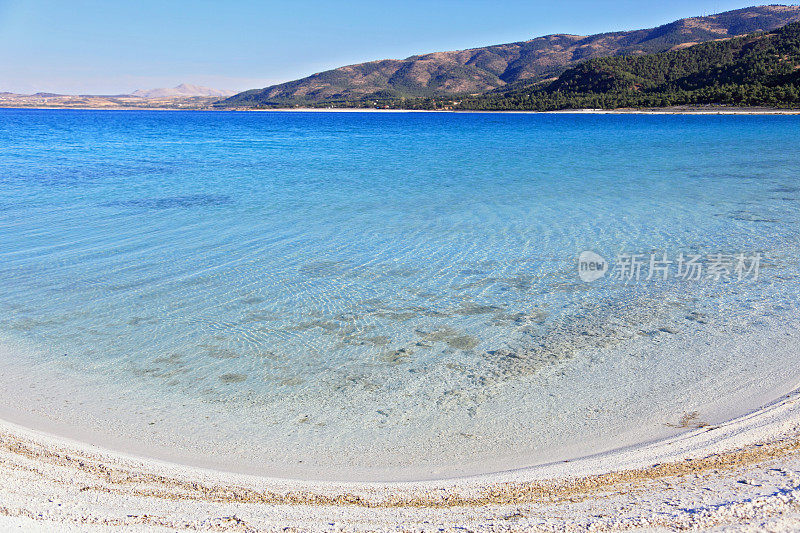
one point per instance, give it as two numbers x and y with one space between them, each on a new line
182 90
480 70
119 101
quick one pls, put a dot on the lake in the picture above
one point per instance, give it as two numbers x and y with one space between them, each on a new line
393 295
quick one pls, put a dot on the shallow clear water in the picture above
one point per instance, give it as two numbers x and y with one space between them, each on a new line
391 291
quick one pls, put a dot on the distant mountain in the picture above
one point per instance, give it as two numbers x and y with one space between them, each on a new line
480 70
182 90
761 69
89 101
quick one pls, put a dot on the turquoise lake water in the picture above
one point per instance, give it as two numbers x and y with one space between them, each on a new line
391 293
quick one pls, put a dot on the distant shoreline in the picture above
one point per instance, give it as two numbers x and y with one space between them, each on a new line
621 111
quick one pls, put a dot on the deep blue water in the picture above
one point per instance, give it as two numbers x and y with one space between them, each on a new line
393 281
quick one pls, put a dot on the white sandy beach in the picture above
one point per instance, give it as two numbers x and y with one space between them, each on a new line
743 475
623 111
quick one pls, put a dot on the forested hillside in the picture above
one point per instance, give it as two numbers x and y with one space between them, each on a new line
761 69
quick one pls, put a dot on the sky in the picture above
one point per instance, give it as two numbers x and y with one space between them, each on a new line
116 47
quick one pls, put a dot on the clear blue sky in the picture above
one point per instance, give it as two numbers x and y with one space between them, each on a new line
110 46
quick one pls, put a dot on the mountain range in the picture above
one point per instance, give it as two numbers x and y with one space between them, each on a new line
183 90
506 66
183 96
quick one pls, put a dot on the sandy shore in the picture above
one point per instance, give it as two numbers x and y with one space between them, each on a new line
744 475
624 111
683 111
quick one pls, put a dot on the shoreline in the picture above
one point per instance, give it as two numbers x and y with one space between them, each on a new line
62 406
53 480
621 111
